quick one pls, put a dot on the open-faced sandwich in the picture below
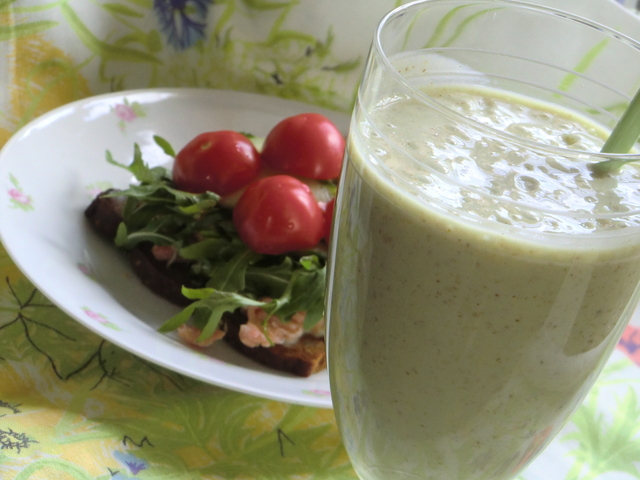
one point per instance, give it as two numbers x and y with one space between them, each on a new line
236 236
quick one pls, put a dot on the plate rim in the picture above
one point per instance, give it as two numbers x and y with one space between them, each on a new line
323 401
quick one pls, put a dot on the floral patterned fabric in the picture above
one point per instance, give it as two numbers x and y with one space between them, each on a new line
74 406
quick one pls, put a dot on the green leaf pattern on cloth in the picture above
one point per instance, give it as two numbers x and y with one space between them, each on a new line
72 405
73 388
607 443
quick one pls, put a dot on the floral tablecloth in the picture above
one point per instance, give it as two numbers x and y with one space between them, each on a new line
74 406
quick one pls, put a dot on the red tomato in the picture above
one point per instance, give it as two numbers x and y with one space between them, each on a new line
308 145
328 218
220 162
277 215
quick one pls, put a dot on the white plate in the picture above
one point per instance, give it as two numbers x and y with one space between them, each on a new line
52 168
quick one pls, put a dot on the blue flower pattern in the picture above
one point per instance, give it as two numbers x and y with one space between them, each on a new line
133 463
182 21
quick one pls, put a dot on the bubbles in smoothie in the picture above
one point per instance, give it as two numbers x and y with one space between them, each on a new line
419 142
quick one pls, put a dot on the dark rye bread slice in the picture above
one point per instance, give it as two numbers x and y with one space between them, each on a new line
305 357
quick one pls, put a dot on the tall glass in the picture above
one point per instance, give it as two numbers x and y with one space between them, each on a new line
480 273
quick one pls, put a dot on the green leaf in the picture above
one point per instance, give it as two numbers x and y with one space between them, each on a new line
275 305
164 145
344 67
211 325
186 197
217 302
157 189
217 310
230 276
212 248
11 32
603 445
197 293
132 37
200 317
158 213
463 25
138 167
122 235
206 320
5 4
310 262
146 4
54 467
179 319
154 41
119 9
265 5
295 416
200 208
583 65
105 51
138 110
306 294
136 238
290 35
159 193
272 280
315 313
150 228
151 193
440 28
323 49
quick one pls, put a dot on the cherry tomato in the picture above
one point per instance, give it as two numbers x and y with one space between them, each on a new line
220 162
328 218
308 145
277 215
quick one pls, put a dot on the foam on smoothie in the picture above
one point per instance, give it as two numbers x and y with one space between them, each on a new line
469 327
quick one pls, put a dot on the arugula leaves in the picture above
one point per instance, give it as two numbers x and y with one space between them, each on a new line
202 233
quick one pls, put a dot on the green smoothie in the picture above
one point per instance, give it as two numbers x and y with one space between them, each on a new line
469 313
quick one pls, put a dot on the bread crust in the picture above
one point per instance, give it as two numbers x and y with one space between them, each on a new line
303 358
306 357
